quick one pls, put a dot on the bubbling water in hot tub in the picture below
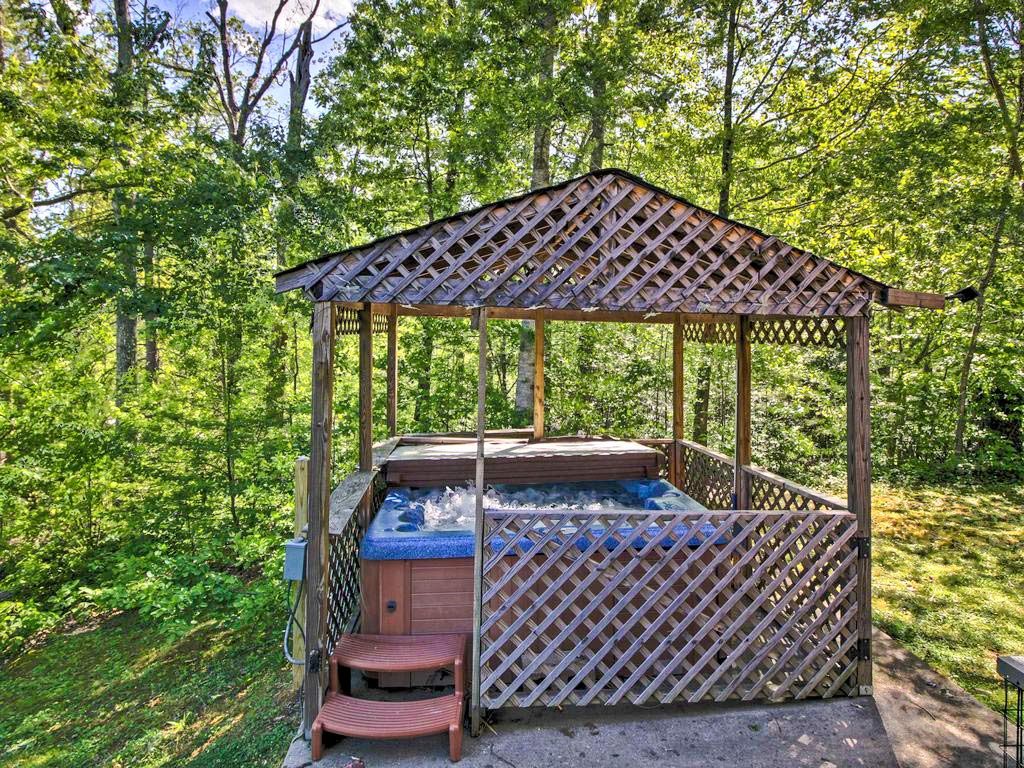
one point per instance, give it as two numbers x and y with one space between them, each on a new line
455 508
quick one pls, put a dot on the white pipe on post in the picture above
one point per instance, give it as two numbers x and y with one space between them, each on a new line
480 321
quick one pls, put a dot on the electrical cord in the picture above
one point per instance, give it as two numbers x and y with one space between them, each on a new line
291 620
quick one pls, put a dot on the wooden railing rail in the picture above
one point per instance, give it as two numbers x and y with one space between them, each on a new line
353 505
354 502
711 453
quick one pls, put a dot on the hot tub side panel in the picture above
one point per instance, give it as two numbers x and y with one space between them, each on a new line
416 597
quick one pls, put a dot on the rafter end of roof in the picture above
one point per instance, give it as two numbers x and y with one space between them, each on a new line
896 297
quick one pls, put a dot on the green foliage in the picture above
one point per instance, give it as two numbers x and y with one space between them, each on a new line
20 621
176 592
116 692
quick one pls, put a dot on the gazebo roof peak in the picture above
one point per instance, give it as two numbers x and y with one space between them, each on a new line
607 240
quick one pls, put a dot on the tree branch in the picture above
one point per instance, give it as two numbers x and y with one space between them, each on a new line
16 210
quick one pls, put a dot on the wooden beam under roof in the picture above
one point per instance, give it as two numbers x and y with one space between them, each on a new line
516 313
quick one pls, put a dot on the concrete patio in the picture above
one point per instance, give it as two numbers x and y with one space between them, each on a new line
840 733
916 719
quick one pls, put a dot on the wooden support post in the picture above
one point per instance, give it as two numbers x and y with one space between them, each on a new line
298 649
365 388
392 372
676 470
480 320
858 479
318 530
742 480
538 376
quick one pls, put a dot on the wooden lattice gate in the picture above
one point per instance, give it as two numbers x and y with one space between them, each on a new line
582 607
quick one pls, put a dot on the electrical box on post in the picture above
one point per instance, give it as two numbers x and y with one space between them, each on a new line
295 560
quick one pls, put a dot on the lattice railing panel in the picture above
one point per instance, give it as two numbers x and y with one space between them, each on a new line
347 322
707 476
632 607
799 331
344 577
769 491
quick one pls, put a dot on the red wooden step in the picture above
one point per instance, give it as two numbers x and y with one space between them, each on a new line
361 718
399 653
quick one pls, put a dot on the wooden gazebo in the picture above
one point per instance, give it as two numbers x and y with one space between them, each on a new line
783 610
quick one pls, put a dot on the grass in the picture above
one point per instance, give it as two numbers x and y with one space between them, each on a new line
120 694
949 578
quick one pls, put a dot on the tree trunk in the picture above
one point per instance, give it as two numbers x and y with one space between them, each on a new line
599 87
540 176
526 374
702 403
453 159
125 52
152 348
298 90
127 337
1011 123
541 171
979 313
725 182
227 385
277 356
126 320
424 377
702 400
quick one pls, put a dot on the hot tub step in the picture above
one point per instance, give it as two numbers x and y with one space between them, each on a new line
360 718
399 653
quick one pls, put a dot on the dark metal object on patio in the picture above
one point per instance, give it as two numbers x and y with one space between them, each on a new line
1011 669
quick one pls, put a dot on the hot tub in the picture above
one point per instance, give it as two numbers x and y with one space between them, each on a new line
417 555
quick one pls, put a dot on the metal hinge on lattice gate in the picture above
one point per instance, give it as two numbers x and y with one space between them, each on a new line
863 544
864 649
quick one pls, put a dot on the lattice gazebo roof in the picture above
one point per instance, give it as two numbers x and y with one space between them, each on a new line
607 240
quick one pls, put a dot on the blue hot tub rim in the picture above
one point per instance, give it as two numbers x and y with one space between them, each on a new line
396 532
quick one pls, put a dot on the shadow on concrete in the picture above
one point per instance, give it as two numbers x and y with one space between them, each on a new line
930 720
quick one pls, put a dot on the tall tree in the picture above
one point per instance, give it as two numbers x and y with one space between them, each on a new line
126 314
599 87
298 91
1000 42
543 114
244 64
